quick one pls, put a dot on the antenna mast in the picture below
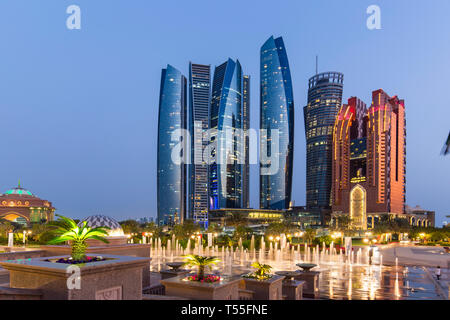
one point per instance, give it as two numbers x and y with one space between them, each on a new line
317 64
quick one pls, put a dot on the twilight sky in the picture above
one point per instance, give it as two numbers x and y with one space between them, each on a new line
79 107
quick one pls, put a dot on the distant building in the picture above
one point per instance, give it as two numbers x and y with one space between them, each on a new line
369 157
296 215
171 176
199 103
21 206
324 100
226 172
276 113
420 217
253 216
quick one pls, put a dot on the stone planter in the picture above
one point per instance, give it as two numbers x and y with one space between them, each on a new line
311 286
270 289
131 250
293 290
226 289
119 277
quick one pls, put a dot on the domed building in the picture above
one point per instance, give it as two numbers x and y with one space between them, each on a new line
115 232
22 206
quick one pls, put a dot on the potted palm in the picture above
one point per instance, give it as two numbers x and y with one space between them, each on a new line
66 229
201 262
262 271
264 284
202 286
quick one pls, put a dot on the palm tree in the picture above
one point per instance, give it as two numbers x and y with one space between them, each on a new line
262 270
201 262
236 219
310 235
66 229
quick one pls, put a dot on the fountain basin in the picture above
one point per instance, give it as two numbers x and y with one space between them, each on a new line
306 266
225 289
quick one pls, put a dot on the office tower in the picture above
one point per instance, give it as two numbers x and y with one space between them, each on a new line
369 160
246 127
324 100
171 180
199 93
277 113
226 124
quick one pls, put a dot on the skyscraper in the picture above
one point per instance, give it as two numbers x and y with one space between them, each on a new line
199 92
246 127
277 113
225 117
171 176
324 100
369 160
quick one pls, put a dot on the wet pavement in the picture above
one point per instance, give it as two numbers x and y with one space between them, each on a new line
375 283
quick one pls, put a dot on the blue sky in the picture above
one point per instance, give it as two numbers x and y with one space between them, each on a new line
79 107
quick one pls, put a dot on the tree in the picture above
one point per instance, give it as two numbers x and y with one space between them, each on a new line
152 228
130 226
310 235
185 230
201 262
5 227
214 228
277 228
65 229
236 219
242 232
343 223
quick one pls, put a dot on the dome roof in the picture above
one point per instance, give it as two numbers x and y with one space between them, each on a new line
96 221
19 191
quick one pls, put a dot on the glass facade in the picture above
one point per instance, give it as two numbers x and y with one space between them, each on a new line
171 179
226 116
277 112
324 100
246 126
199 94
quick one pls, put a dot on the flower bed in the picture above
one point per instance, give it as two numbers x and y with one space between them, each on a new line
207 279
257 276
72 261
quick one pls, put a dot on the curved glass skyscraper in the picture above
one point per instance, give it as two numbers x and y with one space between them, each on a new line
225 117
277 113
171 189
324 100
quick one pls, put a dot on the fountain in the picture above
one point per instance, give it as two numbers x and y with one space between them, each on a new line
330 264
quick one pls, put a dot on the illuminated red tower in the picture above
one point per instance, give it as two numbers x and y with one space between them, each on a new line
369 160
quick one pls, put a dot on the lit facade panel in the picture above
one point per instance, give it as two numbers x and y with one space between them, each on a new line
226 172
199 94
171 177
277 113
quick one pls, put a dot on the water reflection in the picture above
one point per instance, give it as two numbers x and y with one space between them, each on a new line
342 277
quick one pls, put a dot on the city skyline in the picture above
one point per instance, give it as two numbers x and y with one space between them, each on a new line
108 159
